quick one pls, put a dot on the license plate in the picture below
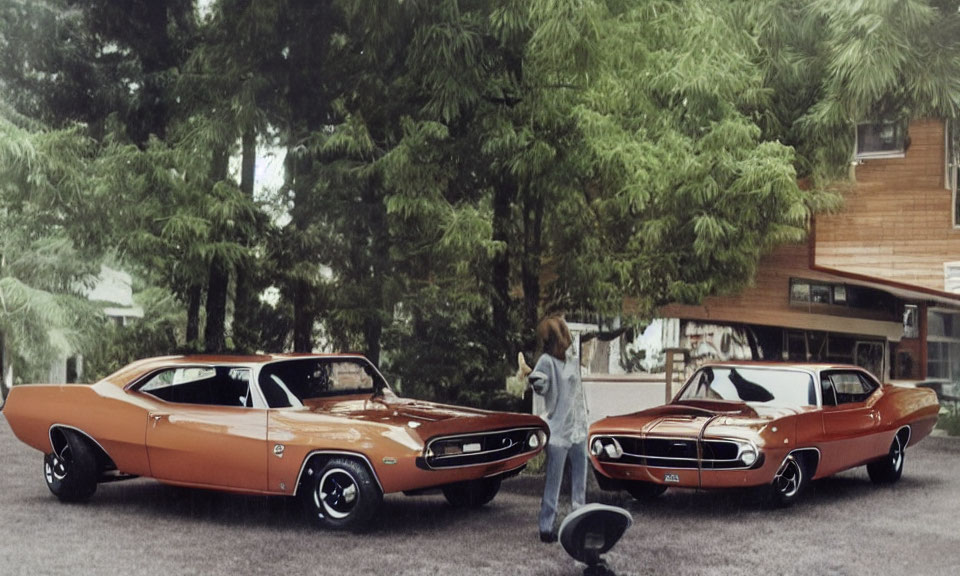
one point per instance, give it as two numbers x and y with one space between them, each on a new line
671 478
468 448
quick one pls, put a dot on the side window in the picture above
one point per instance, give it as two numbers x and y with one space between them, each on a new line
828 391
221 386
846 387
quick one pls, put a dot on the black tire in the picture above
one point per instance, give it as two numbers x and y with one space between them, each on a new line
889 469
341 495
789 482
607 484
644 490
472 493
71 473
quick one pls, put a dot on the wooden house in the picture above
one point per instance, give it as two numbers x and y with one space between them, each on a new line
876 284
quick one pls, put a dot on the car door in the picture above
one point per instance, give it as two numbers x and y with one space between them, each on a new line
204 428
850 419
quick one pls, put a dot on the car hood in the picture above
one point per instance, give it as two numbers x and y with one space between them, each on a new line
683 419
424 419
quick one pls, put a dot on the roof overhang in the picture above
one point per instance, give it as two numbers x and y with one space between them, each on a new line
898 289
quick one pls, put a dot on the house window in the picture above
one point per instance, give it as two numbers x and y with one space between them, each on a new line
799 291
951 167
807 293
943 345
951 277
881 140
803 292
911 327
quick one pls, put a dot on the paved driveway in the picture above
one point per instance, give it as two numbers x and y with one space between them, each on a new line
845 526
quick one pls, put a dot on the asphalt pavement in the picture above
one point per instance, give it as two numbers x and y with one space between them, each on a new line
844 526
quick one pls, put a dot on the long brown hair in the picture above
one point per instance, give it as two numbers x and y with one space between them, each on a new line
553 336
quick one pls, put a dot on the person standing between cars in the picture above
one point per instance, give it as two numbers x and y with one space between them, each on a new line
556 377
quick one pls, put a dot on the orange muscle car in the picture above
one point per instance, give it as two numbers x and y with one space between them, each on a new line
755 424
325 428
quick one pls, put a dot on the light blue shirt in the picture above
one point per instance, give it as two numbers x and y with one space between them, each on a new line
562 390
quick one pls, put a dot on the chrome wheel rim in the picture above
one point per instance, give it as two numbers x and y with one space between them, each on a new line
337 493
56 467
788 478
896 454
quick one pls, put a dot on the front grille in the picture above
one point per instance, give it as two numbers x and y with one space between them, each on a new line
679 452
480 448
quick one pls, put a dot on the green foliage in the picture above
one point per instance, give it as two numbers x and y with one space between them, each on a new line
443 158
45 247
158 333
950 422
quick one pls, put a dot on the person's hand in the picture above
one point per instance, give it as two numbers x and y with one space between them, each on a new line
522 368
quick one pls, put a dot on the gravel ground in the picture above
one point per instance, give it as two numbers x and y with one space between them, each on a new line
844 526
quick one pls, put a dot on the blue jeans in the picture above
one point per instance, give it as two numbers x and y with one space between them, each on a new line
557 456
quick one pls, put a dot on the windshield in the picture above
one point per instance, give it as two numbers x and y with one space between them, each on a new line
755 385
291 382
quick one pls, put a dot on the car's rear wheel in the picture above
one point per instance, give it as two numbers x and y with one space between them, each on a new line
341 495
890 468
71 469
789 482
644 490
472 493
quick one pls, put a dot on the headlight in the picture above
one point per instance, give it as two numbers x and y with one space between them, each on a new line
748 455
597 447
606 446
533 441
613 450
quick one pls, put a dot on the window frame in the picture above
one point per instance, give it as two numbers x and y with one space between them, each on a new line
901 152
865 378
359 360
256 399
950 343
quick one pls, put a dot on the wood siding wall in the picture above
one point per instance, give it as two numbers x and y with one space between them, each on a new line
767 301
897 220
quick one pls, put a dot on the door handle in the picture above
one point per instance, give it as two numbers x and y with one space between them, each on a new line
158 416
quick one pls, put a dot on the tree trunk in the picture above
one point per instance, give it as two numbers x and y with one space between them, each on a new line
6 371
504 195
304 309
214 333
379 254
530 269
372 330
244 309
194 297
303 315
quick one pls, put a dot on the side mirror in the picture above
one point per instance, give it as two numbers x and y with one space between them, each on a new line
591 531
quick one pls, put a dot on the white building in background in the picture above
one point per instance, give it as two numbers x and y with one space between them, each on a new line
113 290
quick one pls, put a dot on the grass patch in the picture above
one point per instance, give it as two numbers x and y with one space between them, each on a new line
950 422
536 464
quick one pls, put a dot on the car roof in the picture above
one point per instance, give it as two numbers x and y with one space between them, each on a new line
137 369
786 365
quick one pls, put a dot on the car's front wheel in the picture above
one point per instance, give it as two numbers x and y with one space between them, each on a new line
889 469
789 482
71 469
644 490
472 493
342 495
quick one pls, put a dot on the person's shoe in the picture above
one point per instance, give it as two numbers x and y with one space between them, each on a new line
548 537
